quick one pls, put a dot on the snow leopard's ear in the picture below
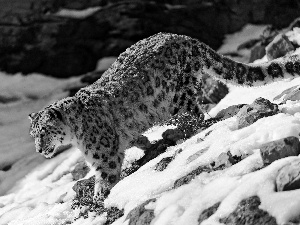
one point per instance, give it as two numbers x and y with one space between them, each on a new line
55 113
32 115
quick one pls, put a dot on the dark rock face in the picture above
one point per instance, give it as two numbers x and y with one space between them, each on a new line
289 177
282 148
248 213
258 109
33 38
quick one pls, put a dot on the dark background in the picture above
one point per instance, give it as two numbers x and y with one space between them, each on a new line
34 39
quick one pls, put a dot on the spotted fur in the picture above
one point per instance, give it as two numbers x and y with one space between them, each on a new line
152 80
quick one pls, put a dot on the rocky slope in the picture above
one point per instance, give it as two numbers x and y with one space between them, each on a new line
239 167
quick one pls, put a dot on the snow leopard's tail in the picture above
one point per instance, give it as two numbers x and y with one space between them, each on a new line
229 71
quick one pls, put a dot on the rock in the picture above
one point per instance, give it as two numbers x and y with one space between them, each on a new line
186 123
152 150
197 154
257 52
190 176
229 111
173 135
225 160
84 201
80 170
85 188
84 198
248 44
113 214
288 177
140 215
292 94
259 49
208 212
258 109
207 123
142 142
131 169
213 90
279 149
163 163
249 213
279 47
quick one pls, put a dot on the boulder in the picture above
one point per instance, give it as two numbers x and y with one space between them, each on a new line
249 213
173 135
258 109
212 90
257 52
142 142
282 148
288 177
279 47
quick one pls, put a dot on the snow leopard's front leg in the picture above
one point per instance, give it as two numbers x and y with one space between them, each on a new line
100 145
108 171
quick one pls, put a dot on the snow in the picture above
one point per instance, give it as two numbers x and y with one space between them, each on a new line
104 63
77 14
294 35
232 41
39 191
249 94
16 147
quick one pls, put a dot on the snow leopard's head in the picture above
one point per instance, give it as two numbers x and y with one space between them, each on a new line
50 131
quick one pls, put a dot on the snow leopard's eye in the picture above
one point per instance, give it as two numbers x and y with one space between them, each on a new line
55 113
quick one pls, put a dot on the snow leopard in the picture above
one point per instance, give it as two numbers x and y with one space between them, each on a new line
154 79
